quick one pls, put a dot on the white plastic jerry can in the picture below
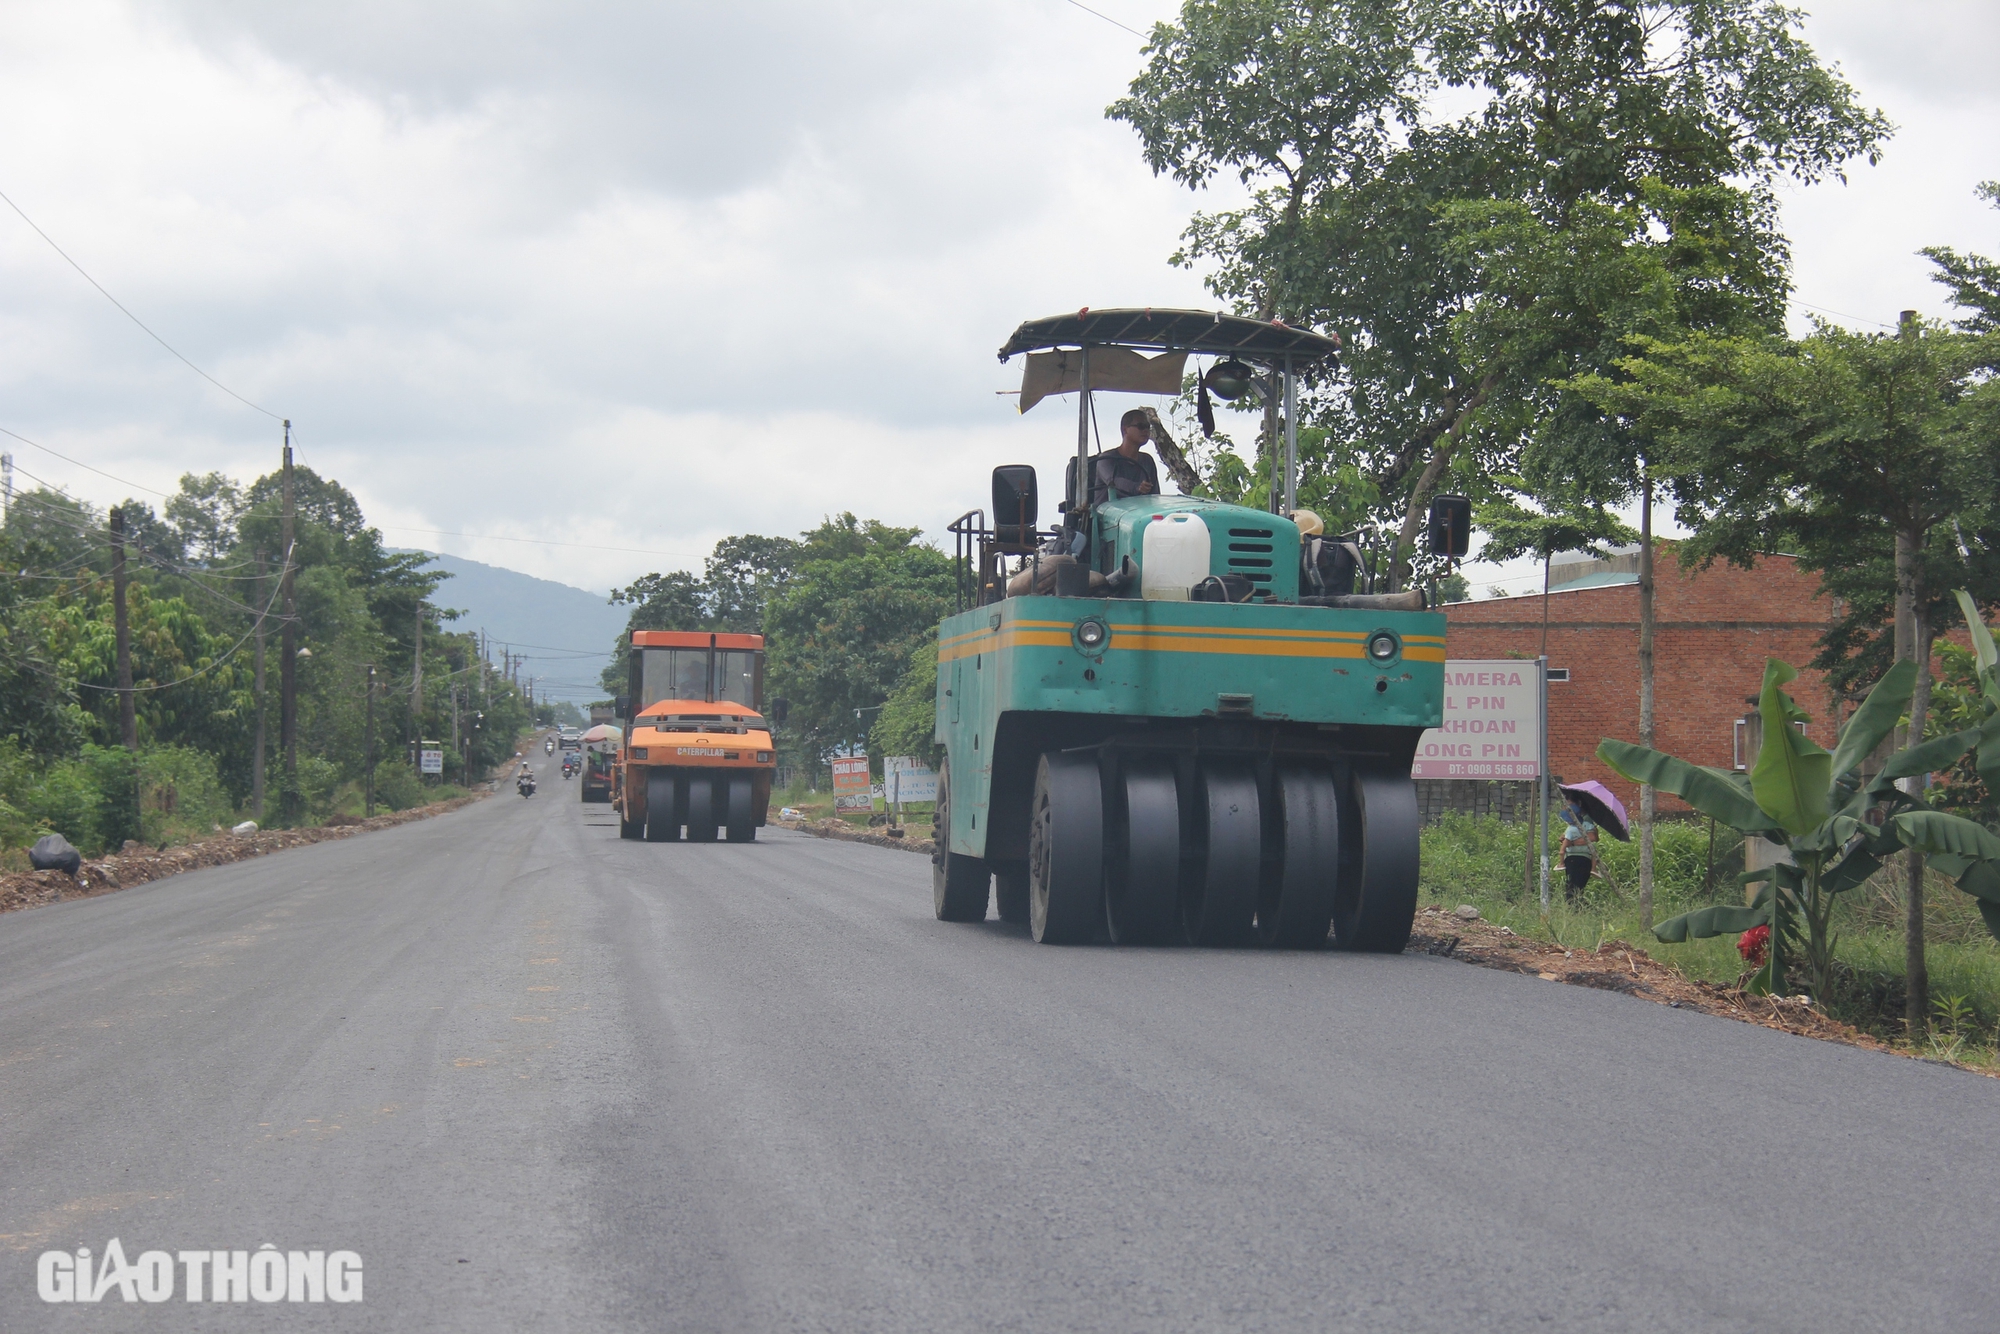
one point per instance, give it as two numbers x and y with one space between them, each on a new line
1173 557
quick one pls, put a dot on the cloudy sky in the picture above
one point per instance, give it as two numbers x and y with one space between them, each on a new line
640 275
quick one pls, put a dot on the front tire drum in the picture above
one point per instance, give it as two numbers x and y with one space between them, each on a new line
1066 850
960 885
1377 902
661 824
704 806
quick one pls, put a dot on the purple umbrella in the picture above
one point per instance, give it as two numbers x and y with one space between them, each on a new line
1605 810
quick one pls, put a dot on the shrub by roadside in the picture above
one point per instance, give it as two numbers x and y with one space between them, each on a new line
1479 861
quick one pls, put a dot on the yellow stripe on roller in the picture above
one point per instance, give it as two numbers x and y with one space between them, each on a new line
1266 641
1280 648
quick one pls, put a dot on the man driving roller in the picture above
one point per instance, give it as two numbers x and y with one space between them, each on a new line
1124 471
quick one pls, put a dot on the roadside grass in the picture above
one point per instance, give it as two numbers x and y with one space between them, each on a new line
1482 860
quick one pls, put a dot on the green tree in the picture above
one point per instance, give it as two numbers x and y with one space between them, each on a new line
907 724
1372 207
1873 457
203 513
863 597
1974 280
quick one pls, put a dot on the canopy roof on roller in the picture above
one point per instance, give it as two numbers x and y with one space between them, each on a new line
1266 341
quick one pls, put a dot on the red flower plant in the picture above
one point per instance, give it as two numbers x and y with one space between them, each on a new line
1754 944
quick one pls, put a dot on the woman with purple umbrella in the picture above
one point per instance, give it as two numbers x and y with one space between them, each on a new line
1581 802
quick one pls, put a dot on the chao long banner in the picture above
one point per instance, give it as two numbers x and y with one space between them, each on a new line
851 787
1492 723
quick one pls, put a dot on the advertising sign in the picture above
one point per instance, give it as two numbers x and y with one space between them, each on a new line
851 787
1492 723
432 761
917 783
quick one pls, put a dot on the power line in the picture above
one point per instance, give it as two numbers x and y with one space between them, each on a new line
134 318
164 495
1106 17
1841 313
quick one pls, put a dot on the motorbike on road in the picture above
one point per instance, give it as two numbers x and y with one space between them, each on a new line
525 784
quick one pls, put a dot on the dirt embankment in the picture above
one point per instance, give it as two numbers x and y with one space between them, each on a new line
1618 966
848 833
137 865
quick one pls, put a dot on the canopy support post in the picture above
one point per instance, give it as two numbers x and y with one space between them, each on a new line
1079 501
1291 438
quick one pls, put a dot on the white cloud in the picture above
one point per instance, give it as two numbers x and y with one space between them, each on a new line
642 275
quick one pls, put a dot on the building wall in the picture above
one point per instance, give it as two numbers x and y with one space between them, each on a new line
1714 631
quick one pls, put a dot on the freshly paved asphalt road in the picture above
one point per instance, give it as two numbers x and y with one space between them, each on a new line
540 1078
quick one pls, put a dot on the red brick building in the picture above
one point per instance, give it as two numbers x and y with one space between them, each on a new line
1715 628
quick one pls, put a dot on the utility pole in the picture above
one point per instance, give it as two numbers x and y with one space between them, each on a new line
6 486
257 755
1648 797
1913 641
368 801
417 679
128 725
288 643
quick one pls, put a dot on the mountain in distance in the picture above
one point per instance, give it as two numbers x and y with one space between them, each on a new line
547 622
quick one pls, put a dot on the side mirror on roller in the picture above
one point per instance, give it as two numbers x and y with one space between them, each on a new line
1450 526
779 708
1014 504
622 706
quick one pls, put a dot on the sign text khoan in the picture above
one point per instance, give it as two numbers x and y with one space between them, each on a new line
1492 723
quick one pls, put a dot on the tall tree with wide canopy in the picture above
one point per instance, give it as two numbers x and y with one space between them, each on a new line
1344 118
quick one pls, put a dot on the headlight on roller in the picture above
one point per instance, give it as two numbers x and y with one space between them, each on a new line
1383 647
1092 634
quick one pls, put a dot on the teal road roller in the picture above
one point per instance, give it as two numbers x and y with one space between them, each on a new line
1170 720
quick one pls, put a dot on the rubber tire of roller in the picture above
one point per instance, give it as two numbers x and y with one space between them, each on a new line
739 817
704 807
1377 903
661 826
1143 870
960 885
1010 892
1295 907
1066 850
1218 907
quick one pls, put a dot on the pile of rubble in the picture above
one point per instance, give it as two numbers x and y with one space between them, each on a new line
135 864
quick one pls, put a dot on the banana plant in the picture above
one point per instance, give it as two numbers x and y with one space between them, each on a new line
1973 865
1838 827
